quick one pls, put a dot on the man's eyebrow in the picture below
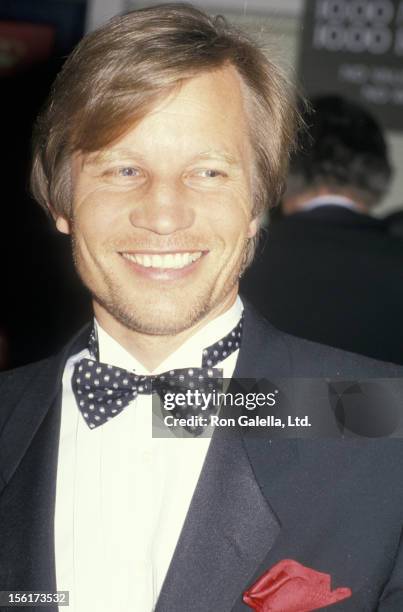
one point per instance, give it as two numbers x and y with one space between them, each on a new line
217 155
100 157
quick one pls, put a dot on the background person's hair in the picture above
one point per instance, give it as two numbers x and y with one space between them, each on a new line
342 147
117 73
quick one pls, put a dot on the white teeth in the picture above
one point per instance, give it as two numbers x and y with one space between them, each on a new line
168 261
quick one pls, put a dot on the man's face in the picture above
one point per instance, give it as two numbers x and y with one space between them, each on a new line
161 217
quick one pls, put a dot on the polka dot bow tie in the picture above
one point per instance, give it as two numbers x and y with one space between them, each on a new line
102 391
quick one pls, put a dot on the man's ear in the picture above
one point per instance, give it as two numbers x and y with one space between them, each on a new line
253 227
62 224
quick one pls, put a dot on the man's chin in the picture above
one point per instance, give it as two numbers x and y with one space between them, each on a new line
158 319
158 326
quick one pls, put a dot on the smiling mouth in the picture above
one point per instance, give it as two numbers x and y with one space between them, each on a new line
163 261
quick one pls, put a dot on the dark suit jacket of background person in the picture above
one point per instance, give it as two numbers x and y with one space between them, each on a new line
394 223
333 276
333 505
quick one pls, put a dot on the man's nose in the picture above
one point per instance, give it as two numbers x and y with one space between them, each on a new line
165 209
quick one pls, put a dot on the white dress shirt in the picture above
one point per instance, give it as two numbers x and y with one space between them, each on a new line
122 496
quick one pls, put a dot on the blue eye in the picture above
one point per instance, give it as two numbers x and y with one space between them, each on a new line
128 171
211 173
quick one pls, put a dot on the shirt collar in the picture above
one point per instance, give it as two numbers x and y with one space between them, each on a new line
187 355
330 200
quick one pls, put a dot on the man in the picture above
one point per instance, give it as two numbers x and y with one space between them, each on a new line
342 159
329 271
166 136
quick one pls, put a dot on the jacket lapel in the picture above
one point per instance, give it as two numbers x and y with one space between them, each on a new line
218 552
230 525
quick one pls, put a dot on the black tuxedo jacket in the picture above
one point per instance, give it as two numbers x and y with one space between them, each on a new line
333 505
334 276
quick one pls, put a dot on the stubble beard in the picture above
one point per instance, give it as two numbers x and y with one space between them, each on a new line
154 317
160 315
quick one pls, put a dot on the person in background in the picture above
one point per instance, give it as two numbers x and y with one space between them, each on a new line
330 271
342 160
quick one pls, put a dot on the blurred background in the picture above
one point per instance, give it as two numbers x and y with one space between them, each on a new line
347 48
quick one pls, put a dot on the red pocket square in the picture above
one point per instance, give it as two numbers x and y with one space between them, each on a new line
292 587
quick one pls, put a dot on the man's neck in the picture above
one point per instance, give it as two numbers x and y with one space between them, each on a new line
151 350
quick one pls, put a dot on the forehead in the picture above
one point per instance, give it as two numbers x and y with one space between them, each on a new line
205 112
